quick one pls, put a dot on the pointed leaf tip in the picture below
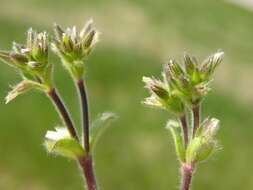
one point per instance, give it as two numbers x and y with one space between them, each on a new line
100 125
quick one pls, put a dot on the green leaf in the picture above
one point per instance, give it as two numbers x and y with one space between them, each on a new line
176 132
60 142
100 125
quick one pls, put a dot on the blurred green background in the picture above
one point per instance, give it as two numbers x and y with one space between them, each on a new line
138 36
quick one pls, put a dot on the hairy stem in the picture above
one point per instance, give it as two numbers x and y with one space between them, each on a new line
185 129
88 171
196 118
85 113
186 172
86 162
62 110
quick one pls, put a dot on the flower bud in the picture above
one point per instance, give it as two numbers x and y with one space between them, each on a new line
73 47
18 58
192 81
174 69
31 59
21 88
210 64
204 142
190 64
162 96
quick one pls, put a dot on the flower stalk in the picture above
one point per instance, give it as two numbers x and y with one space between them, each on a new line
31 60
73 49
62 110
183 88
86 162
84 113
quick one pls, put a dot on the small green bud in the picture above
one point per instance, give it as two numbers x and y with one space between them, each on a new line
89 39
156 87
204 143
174 69
210 64
60 142
21 88
190 64
199 149
58 32
176 132
18 59
162 96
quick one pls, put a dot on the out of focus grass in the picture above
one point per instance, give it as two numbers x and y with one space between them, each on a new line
136 152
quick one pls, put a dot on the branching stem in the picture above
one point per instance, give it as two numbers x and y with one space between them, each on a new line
85 162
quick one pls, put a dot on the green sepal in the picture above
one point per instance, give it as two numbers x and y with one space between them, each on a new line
176 132
99 126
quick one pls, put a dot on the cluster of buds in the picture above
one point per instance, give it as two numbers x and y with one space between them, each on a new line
31 60
187 84
191 81
181 92
73 47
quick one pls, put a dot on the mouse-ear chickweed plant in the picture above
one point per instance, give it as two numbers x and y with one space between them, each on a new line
181 92
31 60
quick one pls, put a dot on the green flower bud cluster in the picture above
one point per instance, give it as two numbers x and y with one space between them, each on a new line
191 80
181 92
73 47
31 60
